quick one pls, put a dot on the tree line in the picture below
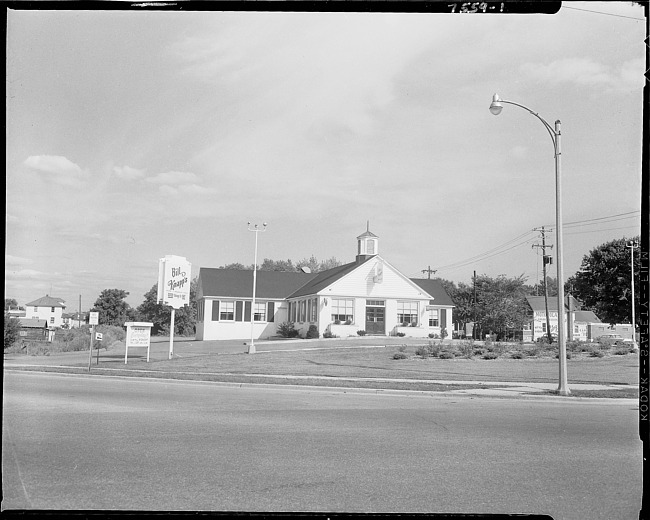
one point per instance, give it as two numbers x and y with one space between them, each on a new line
495 305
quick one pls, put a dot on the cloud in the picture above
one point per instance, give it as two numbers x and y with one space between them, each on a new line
587 72
173 178
17 260
63 170
128 173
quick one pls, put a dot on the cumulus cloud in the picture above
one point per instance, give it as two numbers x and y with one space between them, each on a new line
128 173
587 72
173 178
61 169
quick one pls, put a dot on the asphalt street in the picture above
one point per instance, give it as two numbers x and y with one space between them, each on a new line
80 442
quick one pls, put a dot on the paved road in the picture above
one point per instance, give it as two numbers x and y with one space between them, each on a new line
79 442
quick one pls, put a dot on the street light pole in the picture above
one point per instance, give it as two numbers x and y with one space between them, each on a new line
555 133
256 230
632 244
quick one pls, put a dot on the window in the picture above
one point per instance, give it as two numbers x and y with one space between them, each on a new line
227 312
375 303
52 309
52 320
434 318
342 309
407 312
260 311
313 315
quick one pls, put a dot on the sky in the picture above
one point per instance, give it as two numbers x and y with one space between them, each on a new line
136 135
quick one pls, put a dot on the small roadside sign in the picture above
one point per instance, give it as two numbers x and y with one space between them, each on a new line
98 336
93 318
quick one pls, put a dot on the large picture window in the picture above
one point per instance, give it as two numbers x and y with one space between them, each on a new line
342 309
260 311
407 312
227 311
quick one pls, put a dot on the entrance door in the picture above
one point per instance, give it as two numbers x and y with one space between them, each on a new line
375 323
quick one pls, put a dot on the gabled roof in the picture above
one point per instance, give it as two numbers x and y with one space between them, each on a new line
31 323
325 278
537 303
238 283
47 301
435 289
586 316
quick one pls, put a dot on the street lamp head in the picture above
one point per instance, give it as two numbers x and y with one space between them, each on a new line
496 106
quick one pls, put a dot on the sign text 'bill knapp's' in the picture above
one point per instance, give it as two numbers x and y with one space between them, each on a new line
174 281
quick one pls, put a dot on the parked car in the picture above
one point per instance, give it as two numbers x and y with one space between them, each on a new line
615 340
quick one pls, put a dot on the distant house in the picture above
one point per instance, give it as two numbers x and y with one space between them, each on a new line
35 330
47 308
73 320
368 294
577 322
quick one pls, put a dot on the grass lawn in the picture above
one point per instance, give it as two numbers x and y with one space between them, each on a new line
419 368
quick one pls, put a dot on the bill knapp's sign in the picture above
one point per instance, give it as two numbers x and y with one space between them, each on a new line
174 281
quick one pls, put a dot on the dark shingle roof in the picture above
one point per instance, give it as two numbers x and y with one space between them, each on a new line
236 283
47 301
537 303
31 323
586 316
435 289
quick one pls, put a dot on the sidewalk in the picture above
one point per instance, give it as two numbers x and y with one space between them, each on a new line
113 362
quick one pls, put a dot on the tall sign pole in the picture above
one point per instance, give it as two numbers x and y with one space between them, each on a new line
93 319
173 288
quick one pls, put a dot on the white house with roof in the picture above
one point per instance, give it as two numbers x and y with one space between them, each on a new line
47 308
368 294
578 323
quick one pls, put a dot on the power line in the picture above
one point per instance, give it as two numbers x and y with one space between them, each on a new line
600 12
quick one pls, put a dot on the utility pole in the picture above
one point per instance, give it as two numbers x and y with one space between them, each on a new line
474 308
547 259
632 244
430 271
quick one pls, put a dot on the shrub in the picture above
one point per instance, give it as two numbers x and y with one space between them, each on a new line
422 351
361 332
12 331
402 348
446 355
490 355
328 334
595 352
623 351
466 349
287 330
312 333
401 334
399 355
348 322
517 355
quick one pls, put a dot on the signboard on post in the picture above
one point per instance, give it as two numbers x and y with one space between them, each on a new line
173 288
138 334
174 281
93 318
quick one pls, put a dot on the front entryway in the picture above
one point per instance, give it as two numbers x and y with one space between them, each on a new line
375 318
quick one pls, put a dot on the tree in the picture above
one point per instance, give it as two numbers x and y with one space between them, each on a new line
12 331
160 315
10 303
277 265
236 265
501 304
463 298
112 308
604 282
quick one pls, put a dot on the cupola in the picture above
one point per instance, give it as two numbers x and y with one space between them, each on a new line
367 245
